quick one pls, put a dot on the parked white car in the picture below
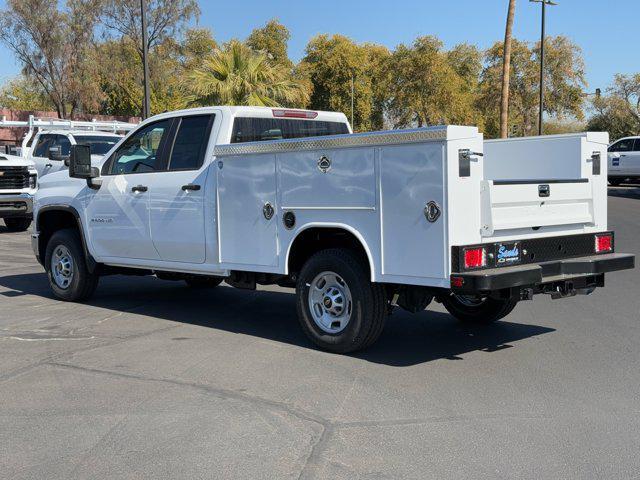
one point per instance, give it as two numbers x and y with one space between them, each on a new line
356 223
624 161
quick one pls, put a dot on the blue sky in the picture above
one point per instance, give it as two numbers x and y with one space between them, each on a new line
607 31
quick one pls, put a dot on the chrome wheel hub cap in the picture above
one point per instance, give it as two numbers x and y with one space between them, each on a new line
62 266
330 302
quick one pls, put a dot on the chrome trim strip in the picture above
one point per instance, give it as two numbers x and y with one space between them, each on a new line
389 137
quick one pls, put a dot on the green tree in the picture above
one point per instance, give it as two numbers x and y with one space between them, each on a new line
564 83
271 40
425 88
52 44
619 111
237 75
331 63
23 93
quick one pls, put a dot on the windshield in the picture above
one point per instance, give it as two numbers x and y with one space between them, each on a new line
100 144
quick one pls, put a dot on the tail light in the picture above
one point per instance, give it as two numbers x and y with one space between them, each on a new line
475 258
604 243
294 114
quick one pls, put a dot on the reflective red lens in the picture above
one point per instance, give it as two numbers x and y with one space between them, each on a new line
604 243
457 282
474 258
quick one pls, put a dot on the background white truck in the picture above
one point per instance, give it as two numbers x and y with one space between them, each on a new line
18 181
48 141
624 161
357 223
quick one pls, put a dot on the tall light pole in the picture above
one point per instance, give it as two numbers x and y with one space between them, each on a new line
353 92
146 107
542 37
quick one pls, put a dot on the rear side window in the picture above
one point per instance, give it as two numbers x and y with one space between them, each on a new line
625 145
637 147
261 129
191 143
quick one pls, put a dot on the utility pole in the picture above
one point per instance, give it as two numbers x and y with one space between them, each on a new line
352 98
542 37
146 107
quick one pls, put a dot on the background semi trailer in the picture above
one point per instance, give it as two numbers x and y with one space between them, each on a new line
356 223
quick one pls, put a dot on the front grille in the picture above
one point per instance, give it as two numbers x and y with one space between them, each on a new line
14 178
538 250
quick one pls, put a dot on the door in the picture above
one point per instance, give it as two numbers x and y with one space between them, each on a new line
619 157
177 205
248 230
118 213
632 160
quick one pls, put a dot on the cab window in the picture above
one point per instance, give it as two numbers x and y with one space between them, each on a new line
625 145
65 145
142 151
261 129
190 144
42 147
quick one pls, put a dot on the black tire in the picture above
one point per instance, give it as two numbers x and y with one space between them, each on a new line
82 283
17 224
368 306
614 182
487 310
203 282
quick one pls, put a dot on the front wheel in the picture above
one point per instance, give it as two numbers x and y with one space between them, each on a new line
66 267
339 308
477 310
17 224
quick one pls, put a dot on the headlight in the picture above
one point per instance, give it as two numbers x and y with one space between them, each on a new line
33 180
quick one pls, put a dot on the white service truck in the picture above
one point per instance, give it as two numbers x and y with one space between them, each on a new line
356 223
45 149
48 141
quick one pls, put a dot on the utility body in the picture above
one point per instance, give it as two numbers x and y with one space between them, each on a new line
357 223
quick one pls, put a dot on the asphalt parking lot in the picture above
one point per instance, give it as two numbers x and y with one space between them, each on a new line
154 380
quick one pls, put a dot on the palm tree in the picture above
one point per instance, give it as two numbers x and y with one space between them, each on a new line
506 68
238 75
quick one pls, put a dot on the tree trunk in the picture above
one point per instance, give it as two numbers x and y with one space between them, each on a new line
506 69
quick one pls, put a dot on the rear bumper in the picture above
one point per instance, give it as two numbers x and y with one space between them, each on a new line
539 274
16 205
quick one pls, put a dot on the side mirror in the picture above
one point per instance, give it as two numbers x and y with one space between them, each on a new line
80 163
55 153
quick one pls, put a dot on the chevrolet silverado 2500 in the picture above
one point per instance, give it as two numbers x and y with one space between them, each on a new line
357 223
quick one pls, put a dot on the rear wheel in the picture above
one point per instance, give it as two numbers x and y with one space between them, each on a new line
17 224
339 308
66 267
478 310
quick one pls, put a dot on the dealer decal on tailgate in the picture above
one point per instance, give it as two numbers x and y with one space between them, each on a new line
508 253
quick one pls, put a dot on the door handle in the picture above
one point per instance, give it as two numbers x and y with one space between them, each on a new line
139 188
190 186
48 165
